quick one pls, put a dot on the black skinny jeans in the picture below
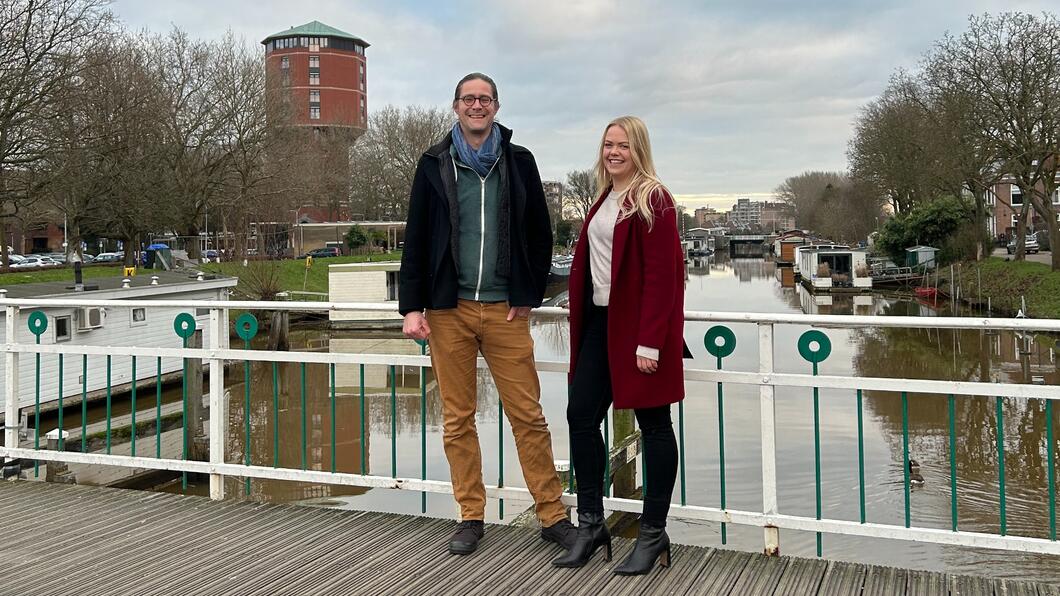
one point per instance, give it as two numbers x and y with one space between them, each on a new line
589 401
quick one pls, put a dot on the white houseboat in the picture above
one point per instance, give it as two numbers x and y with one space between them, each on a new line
95 326
835 269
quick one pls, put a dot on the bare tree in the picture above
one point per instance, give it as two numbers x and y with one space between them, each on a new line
580 192
384 159
40 50
889 148
803 194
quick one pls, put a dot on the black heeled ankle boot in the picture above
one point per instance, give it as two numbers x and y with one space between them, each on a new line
592 534
652 544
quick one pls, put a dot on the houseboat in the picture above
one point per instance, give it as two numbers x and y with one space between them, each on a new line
835 269
364 282
148 328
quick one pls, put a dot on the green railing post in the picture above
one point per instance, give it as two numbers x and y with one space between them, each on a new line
331 370
1001 466
84 403
275 415
393 421
423 427
364 443
905 455
1050 448
304 439
952 415
184 326
720 342
500 451
132 409
108 403
861 457
814 346
158 408
62 441
246 329
38 323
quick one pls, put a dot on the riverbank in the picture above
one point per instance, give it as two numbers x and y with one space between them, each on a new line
1004 285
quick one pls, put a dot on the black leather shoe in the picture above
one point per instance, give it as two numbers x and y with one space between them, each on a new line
465 540
562 533
592 534
652 544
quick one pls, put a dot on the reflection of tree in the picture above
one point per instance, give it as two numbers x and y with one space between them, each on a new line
967 356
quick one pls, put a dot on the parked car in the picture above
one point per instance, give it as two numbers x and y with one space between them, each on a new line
1030 245
1043 240
109 257
35 262
317 253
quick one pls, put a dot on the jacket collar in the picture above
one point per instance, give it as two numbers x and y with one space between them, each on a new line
441 148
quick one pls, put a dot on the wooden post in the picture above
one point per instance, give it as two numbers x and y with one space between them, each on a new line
278 330
199 447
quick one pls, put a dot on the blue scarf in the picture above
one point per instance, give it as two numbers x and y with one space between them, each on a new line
483 158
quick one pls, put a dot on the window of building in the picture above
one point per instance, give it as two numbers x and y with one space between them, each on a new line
314 113
314 44
314 78
285 62
362 77
1056 197
138 317
1017 195
314 96
63 328
314 62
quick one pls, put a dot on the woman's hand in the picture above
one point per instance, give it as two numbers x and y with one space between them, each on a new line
647 365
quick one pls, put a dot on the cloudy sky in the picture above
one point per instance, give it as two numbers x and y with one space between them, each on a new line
737 98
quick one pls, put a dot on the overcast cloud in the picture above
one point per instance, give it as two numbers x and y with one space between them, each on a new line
737 98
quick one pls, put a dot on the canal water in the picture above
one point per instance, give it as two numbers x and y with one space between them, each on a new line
399 440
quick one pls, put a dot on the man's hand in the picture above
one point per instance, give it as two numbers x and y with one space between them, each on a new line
647 365
518 311
416 326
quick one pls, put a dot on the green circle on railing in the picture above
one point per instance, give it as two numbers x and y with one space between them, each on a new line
814 346
38 323
184 325
246 326
720 341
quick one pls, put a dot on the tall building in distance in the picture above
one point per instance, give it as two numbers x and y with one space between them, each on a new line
324 72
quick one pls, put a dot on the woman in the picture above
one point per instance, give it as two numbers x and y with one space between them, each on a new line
626 319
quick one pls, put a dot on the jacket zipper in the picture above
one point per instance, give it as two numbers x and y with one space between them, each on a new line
482 222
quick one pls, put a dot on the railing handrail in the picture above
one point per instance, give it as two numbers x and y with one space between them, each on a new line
837 321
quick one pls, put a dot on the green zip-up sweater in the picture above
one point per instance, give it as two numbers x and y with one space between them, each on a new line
479 203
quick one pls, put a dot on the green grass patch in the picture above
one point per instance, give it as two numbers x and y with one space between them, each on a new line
293 274
1004 282
30 276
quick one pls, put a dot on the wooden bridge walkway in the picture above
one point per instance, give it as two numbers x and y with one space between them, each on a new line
63 539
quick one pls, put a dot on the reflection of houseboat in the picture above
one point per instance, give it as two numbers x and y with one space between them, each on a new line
838 269
786 277
364 282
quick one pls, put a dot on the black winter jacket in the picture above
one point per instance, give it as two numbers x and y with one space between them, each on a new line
428 277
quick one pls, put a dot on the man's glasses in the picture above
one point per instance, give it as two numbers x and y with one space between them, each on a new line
484 100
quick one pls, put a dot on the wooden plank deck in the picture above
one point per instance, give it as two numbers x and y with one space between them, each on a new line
62 539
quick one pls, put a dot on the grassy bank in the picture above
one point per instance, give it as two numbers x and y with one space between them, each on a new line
1004 282
292 273
29 276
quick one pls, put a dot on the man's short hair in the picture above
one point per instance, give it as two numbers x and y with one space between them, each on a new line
471 77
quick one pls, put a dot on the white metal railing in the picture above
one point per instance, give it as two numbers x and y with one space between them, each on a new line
766 378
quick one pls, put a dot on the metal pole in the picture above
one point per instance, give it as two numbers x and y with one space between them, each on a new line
217 406
769 439
10 379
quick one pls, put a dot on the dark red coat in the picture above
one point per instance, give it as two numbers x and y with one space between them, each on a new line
646 307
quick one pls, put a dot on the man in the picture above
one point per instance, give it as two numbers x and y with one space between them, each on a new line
478 247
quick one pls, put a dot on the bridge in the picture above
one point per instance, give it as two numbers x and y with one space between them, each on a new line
114 541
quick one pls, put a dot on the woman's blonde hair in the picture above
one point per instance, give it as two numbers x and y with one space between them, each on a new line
645 181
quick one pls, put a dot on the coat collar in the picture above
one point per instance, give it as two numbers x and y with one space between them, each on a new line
441 148
622 228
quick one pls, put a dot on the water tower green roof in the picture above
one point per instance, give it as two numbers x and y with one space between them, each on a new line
315 29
